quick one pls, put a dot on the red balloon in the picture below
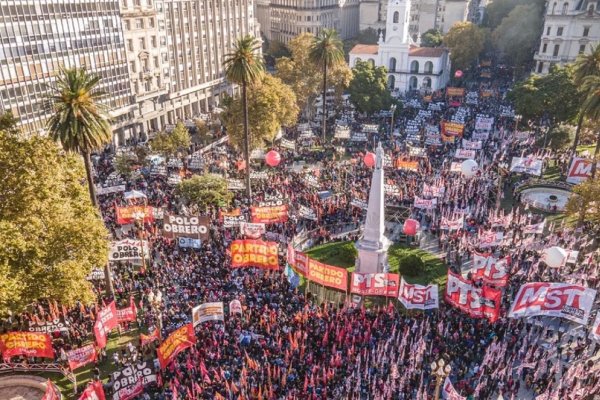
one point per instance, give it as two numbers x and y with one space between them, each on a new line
273 158
410 227
458 73
369 159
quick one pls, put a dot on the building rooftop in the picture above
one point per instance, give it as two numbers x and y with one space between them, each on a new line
426 51
365 49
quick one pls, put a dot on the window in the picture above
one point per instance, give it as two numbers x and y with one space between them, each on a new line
127 25
559 31
556 49
392 64
565 8
391 82
586 31
153 42
544 47
132 66
414 66
130 44
413 82
151 22
554 8
142 43
427 82
582 49
548 31
396 17
429 67
139 23
540 67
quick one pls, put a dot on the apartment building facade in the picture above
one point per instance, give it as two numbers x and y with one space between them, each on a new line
282 20
570 28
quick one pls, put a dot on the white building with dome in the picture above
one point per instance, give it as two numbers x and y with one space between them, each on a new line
410 67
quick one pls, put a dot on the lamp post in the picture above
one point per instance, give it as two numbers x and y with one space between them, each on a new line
156 305
440 370
393 110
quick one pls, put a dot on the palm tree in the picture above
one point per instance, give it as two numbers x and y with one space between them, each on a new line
591 109
326 52
585 65
79 122
244 66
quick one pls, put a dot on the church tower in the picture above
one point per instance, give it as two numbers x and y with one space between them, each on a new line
398 14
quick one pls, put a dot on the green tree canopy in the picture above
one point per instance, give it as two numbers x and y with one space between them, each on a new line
51 236
304 77
517 36
202 191
465 41
168 144
432 38
8 123
271 105
368 91
584 204
497 10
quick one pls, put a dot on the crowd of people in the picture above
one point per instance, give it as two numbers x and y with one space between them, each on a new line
287 343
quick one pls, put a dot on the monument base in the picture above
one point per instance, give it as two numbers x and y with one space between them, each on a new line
372 257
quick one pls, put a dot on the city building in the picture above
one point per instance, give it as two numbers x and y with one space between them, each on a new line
282 20
38 38
570 28
410 67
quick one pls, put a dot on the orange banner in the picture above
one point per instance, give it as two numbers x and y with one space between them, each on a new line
447 139
254 253
127 215
327 275
409 165
454 91
29 344
177 341
269 215
452 128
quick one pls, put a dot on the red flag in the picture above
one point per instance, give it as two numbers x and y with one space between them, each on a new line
94 391
146 339
82 356
51 391
106 321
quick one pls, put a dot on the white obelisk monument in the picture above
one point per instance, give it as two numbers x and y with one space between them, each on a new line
373 245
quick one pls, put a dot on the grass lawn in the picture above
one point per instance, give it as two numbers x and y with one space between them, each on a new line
84 374
339 254
552 172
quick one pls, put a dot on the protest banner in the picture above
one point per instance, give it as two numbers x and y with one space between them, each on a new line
232 218
433 190
391 189
419 297
374 284
342 132
251 230
417 152
526 165
426 204
130 214
52 392
595 331
452 128
106 321
259 175
269 215
307 213
208 312
81 356
472 144
358 203
359 137
452 224
102 190
184 226
254 253
480 135
177 341
455 91
534 228
311 180
288 144
448 391
407 165
235 184
147 339
580 170
235 307
130 381
257 154
572 302
28 344
327 275
59 324
477 302
189 243
484 123
128 314
93 391
490 239
433 139
301 266
465 154
493 271
128 249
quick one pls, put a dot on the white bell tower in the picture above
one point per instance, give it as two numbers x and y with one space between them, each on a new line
398 15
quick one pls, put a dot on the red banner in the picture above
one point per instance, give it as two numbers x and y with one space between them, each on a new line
413 296
297 260
380 284
452 128
146 339
254 253
129 313
269 215
128 215
491 270
29 344
94 391
327 275
106 321
82 356
51 392
476 302
177 341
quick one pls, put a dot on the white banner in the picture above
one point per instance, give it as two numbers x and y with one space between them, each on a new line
449 393
259 175
418 296
358 137
128 249
452 224
572 302
463 153
455 167
484 123
580 170
480 135
288 144
527 165
306 212
472 144
392 190
342 132
535 228
433 190
235 184
426 204
417 151
359 203
208 312
102 190
252 230
490 239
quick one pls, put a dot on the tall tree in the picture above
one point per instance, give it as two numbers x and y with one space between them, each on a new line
168 144
271 105
244 66
303 76
202 191
368 88
465 41
432 38
51 236
583 204
8 123
79 122
591 108
326 52
586 65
